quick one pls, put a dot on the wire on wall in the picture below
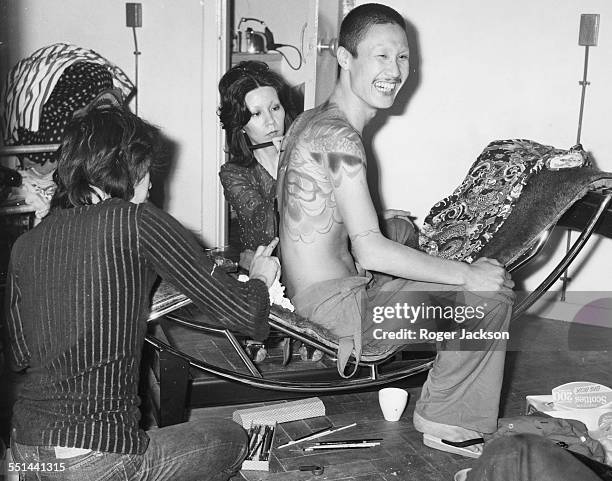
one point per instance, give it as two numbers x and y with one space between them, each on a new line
136 55
276 47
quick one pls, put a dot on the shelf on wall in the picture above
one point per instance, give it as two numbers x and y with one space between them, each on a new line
273 59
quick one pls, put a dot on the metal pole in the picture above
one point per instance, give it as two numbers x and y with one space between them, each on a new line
584 84
27 149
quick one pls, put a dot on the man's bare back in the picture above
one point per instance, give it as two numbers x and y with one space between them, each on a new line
322 148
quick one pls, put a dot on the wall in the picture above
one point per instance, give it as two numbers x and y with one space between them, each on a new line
493 70
482 71
170 71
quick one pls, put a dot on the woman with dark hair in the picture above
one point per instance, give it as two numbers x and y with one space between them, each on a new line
77 301
255 114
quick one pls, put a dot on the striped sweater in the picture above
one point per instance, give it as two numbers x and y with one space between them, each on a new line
78 298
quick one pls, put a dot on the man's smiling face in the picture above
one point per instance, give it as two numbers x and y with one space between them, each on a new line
381 65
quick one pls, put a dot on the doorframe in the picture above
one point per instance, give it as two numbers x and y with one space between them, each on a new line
215 62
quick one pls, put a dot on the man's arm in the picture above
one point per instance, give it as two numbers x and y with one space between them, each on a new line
347 169
19 354
176 256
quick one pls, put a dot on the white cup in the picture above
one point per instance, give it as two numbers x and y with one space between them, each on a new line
462 475
392 402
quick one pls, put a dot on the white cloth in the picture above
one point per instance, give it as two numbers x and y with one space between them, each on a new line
65 453
276 292
37 189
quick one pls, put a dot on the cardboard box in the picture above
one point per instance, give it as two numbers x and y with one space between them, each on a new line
280 412
259 460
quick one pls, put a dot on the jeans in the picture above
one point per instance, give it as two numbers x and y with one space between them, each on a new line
528 457
211 450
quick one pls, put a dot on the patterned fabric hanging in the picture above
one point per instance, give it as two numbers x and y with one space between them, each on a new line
77 87
43 90
460 225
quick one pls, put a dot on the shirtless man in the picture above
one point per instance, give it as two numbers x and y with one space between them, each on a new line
331 239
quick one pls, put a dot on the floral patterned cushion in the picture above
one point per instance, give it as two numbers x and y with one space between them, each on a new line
459 226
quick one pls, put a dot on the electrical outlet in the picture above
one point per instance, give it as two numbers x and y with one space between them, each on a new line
133 14
589 29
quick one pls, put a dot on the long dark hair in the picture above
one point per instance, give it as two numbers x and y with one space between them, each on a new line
233 112
109 148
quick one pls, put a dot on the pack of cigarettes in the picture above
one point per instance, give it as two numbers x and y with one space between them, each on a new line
261 439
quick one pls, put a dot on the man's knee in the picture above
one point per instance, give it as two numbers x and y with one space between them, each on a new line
217 437
492 311
225 438
223 429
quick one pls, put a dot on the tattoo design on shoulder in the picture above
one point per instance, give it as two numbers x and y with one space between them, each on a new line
318 157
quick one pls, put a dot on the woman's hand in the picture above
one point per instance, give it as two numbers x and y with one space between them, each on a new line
277 141
246 257
264 265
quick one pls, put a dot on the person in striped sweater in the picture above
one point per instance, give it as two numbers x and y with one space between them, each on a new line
77 302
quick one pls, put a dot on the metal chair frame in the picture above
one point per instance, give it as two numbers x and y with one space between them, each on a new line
375 378
570 255
256 379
